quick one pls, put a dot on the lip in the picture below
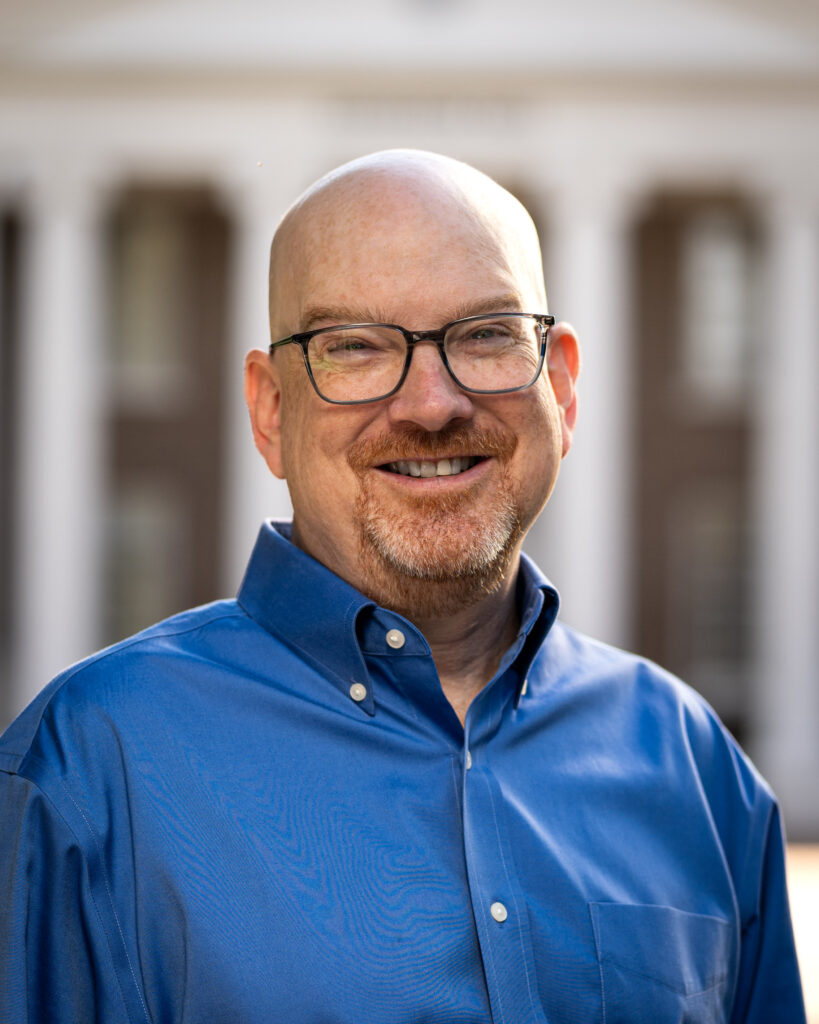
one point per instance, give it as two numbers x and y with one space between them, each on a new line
436 483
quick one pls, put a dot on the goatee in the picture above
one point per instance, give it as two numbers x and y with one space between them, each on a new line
436 554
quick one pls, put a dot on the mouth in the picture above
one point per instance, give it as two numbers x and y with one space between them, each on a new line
452 466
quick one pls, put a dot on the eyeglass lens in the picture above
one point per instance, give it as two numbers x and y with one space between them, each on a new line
355 364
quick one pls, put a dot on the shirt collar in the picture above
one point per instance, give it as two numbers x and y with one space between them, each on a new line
539 604
306 606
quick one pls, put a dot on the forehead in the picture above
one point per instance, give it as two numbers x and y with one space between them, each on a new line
395 249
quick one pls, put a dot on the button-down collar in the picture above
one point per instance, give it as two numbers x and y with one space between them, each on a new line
335 627
302 603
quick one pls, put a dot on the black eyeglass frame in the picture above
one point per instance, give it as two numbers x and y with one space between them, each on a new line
412 338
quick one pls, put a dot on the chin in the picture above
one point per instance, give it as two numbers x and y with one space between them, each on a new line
437 559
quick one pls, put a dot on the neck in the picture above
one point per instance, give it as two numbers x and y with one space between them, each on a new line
469 621
467 645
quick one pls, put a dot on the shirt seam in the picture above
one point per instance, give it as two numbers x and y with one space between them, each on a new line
55 809
95 659
395 654
506 872
599 956
145 637
487 955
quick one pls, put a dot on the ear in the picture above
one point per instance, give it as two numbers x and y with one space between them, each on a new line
563 365
263 396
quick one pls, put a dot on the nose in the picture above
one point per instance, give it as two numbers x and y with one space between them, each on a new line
429 397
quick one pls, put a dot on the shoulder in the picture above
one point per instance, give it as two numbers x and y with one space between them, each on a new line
127 677
652 743
586 667
648 712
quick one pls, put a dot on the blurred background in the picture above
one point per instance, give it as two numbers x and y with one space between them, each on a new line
669 152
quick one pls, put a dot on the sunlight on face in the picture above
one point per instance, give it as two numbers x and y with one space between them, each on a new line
419 241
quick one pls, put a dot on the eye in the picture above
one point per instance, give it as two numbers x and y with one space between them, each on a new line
486 332
346 344
484 336
355 347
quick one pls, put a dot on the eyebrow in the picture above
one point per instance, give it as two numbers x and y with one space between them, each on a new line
338 315
509 303
314 315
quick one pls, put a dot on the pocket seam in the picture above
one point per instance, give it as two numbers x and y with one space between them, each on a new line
713 982
683 988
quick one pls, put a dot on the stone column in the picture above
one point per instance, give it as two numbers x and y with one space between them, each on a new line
6 538
3 298
60 445
583 537
786 489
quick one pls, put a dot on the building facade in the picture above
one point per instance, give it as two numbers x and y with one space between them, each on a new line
145 158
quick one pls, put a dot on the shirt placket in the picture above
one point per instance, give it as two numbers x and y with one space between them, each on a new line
498 903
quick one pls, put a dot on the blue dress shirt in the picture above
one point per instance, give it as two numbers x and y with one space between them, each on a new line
265 810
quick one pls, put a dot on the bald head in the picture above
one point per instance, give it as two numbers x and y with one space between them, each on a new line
386 212
416 240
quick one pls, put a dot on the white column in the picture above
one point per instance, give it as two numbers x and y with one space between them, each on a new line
60 446
786 488
252 494
3 258
585 533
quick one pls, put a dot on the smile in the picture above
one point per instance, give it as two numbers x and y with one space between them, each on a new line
432 467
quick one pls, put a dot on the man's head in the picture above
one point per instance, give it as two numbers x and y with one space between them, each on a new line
419 240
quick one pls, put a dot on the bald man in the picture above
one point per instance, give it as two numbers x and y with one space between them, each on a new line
386 784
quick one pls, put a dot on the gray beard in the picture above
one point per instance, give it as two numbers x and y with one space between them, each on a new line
436 558
437 554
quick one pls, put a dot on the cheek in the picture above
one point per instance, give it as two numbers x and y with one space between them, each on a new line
312 471
540 443
315 440
541 420
303 416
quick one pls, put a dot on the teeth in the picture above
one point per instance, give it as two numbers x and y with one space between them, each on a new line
437 467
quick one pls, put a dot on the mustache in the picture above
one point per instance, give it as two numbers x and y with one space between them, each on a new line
416 443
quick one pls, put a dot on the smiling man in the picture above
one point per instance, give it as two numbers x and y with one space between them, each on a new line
420 495
385 784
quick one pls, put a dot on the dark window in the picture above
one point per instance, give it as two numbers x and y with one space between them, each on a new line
696 347
9 336
169 261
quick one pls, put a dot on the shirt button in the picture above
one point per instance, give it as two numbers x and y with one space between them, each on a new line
396 639
468 760
358 691
499 912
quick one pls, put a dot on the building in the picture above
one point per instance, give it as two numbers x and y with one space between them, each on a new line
669 150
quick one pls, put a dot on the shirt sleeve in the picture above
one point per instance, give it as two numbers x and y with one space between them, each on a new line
52 969
769 987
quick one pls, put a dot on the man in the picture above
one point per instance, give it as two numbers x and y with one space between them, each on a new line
385 784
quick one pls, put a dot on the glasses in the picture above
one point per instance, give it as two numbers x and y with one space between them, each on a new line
486 355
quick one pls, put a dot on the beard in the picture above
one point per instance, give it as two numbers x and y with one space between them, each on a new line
435 555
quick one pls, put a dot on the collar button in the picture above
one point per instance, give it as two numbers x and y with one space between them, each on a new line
358 692
396 639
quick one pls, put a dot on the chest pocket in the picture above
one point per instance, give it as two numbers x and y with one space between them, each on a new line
659 965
